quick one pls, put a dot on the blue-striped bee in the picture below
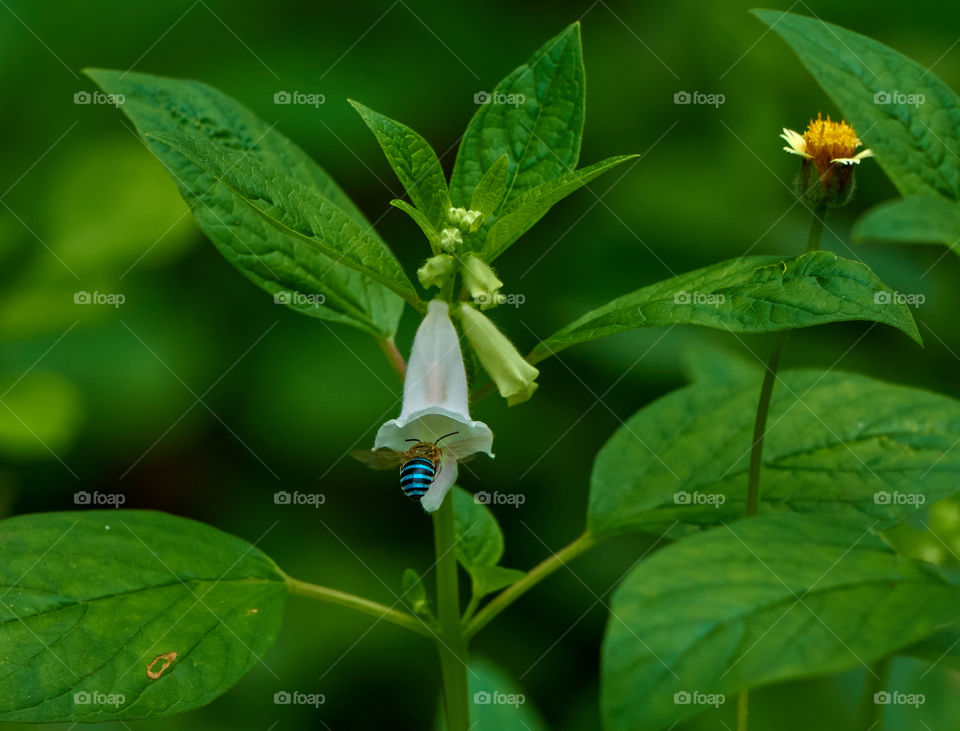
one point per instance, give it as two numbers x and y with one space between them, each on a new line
419 466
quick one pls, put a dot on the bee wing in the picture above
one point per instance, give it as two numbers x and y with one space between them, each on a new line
379 459
463 451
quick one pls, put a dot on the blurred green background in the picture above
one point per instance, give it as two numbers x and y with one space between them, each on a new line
104 398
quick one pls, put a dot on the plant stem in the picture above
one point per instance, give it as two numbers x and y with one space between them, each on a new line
451 643
366 606
760 424
539 572
871 713
396 360
743 709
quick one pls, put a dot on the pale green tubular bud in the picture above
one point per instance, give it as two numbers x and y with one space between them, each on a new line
450 239
470 221
481 282
515 378
436 271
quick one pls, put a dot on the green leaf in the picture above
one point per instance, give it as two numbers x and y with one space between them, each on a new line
836 443
759 601
414 162
914 142
489 191
275 262
754 294
540 135
421 220
515 219
479 545
497 702
917 219
295 210
415 594
91 600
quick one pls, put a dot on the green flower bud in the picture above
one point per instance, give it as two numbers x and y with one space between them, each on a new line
450 239
481 282
466 221
436 271
515 378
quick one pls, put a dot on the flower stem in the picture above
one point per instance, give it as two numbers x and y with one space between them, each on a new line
760 424
452 642
396 360
366 606
539 572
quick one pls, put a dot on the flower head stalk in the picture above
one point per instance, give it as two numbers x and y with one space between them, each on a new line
829 153
435 403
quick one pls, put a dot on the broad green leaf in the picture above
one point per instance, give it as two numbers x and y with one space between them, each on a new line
836 443
92 600
295 210
415 593
497 701
479 545
755 602
535 116
279 264
754 294
414 162
515 219
917 219
902 110
489 191
421 220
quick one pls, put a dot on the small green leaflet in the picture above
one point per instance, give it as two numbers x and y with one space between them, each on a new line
754 294
902 110
755 602
516 218
414 162
479 546
534 116
837 443
119 615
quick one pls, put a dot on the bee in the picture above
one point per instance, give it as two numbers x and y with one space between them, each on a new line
419 466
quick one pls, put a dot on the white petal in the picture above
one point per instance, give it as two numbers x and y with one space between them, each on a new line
846 160
797 152
795 140
441 485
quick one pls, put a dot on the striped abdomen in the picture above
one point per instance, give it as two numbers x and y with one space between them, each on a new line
416 476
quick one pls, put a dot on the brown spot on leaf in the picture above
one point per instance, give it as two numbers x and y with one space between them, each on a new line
167 657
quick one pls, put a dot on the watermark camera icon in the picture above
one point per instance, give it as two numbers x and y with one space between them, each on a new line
681 498
281 498
282 698
282 97
481 97
81 498
681 698
82 97
481 698
681 298
682 97
82 698
881 97
482 498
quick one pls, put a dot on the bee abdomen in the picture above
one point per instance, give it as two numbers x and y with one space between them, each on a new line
416 476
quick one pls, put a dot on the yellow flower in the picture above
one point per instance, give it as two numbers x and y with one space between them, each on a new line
827 143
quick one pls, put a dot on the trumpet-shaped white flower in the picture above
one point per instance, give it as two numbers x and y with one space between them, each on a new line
435 403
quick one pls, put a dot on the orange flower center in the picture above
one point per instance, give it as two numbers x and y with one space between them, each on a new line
826 140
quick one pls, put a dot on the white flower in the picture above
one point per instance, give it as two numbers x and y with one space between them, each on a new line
435 403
